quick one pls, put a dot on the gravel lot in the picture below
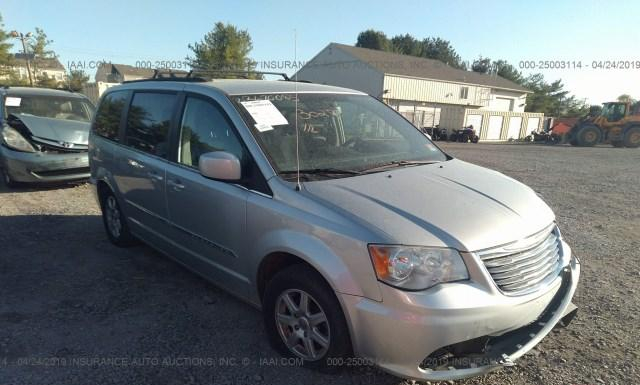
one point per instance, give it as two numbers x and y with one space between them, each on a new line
75 309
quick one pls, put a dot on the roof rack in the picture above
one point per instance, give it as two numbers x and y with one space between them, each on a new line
196 75
245 73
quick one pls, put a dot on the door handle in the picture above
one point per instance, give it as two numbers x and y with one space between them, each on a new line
135 163
175 184
155 175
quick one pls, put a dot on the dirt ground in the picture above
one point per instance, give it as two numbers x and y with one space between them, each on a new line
76 310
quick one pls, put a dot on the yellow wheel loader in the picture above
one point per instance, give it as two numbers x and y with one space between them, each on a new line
617 124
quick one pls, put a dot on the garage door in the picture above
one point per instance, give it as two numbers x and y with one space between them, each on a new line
430 116
475 121
532 124
495 127
515 122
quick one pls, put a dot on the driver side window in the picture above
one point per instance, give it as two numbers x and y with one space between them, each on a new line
203 129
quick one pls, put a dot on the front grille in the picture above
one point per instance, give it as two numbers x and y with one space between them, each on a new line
62 150
55 147
525 265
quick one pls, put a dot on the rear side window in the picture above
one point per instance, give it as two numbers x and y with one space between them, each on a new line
149 121
107 121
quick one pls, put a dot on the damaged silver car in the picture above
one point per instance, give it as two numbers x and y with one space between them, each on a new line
44 135
333 214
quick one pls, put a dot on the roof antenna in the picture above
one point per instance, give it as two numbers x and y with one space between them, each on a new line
295 80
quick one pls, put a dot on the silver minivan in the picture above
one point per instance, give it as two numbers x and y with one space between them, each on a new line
361 241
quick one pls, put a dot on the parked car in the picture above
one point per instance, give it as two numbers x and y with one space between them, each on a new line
44 135
334 215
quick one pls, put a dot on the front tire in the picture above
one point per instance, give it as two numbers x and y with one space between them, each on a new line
115 223
589 136
303 318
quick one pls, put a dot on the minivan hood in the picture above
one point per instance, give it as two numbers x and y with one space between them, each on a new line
449 204
58 130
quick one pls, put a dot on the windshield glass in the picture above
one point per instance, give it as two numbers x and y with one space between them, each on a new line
336 132
49 107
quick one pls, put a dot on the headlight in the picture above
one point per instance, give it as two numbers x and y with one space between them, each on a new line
416 268
12 139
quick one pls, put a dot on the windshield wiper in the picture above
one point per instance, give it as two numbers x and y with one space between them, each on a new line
399 163
327 171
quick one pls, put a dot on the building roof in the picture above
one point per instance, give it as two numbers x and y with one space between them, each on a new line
103 71
41 63
124 69
405 65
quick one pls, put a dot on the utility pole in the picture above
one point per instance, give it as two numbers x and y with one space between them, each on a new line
23 38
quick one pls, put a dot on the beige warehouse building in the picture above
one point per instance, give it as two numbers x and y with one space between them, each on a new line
428 92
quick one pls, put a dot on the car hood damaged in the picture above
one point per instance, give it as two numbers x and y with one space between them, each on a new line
59 132
448 204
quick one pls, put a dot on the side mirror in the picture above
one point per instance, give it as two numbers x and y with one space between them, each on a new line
220 165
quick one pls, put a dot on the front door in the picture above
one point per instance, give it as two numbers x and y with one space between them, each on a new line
208 217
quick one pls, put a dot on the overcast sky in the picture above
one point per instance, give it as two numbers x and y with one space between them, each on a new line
133 32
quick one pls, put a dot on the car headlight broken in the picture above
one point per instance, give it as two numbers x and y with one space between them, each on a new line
12 139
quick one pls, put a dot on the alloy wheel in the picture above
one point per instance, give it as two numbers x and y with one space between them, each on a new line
302 324
113 216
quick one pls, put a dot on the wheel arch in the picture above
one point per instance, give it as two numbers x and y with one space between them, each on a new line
590 125
351 275
276 261
338 279
630 125
102 189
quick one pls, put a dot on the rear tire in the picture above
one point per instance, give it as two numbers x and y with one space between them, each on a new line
314 332
632 137
465 138
588 136
115 222
453 138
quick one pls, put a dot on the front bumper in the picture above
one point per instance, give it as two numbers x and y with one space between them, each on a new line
399 333
43 167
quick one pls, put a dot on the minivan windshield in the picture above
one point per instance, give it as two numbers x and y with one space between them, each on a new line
56 107
339 134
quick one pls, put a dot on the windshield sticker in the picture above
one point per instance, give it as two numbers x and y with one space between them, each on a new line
12 101
276 97
264 113
263 127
